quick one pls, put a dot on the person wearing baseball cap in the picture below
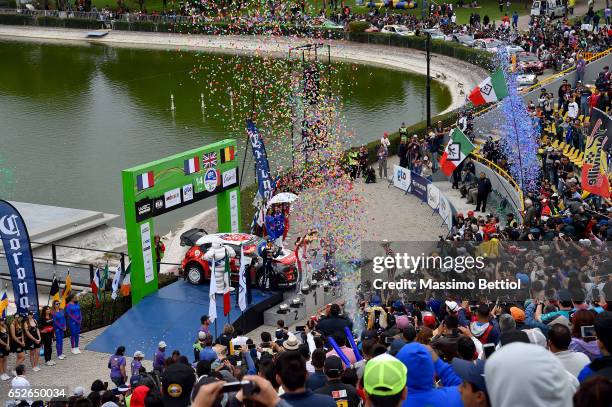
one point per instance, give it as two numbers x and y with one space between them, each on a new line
177 380
384 381
343 394
160 357
473 390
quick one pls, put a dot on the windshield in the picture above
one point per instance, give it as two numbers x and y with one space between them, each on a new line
528 58
494 44
401 29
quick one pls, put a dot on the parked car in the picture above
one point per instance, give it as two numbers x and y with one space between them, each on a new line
493 45
372 29
529 62
397 29
549 8
197 270
526 80
435 34
463 39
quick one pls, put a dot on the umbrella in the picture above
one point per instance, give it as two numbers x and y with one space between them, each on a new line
283 197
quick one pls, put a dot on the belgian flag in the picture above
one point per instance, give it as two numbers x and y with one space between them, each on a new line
227 154
54 292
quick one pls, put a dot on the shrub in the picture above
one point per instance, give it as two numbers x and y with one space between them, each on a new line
358 26
50 22
142 26
83 23
16 19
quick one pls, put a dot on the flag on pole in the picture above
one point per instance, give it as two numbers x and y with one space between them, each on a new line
212 299
457 149
4 302
244 262
594 174
54 292
116 282
95 287
227 303
67 290
492 89
125 284
104 278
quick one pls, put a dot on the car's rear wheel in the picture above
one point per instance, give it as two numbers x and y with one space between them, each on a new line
195 274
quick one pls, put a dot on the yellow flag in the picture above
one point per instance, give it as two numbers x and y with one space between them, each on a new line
67 289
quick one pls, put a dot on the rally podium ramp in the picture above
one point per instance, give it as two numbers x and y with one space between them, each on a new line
172 314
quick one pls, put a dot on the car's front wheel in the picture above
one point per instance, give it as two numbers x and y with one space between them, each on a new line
195 274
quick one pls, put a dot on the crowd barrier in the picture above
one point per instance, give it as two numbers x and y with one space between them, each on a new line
411 182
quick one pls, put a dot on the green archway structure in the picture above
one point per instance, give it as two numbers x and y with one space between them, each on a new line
161 186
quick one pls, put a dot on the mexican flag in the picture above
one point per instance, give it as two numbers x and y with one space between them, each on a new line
457 149
95 287
492 89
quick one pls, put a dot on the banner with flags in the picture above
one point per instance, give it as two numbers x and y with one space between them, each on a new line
212 293
595 164
457 149
490 90
18 254
4 302
227 303
54 291
95 287
67 290
242 288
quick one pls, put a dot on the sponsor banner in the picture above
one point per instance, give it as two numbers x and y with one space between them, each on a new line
147 208
233 198
172 198
147 251
433 196
144 209
262 167
401 178
446 211
187 192
418 186
18 252
229 178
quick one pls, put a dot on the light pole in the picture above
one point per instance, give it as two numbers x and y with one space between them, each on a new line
428 86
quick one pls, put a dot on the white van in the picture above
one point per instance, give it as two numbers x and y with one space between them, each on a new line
550 8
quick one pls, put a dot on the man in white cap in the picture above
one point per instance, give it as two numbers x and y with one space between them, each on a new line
160 357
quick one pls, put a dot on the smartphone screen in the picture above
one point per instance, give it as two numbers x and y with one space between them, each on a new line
588 331
251 346
299 328
389 341
233 387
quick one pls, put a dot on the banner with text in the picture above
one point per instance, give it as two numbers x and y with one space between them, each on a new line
18 252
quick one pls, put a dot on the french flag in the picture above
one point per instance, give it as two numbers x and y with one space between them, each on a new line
144 181
192 165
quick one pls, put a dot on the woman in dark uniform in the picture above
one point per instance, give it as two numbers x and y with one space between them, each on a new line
45 325
5 349
17 339
32 340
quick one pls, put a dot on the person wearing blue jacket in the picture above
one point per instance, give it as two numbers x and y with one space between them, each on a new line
73 312
423 363
59 326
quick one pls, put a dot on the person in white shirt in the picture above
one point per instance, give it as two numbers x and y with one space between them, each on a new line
385 140
559 339
19 381
572 109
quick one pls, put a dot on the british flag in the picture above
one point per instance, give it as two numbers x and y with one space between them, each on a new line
209 160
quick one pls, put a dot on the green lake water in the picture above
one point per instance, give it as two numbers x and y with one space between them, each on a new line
73 116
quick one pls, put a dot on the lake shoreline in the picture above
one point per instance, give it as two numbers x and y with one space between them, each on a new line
458 76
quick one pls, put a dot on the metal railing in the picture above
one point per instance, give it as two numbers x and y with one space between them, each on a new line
504 174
